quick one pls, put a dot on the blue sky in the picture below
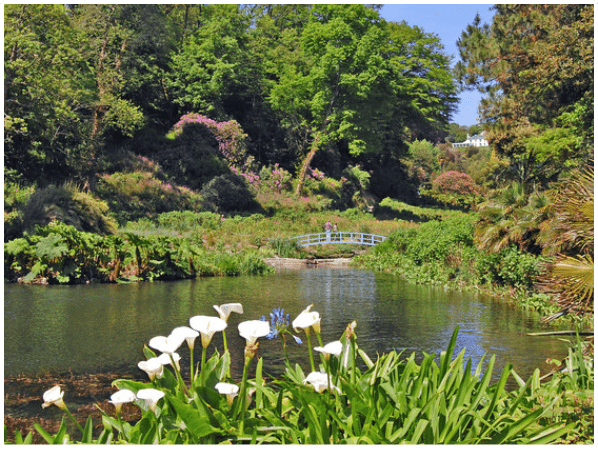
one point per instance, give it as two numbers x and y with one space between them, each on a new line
447 21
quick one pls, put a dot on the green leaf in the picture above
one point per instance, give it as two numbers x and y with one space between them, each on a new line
514 429
87 436
198 424
45 435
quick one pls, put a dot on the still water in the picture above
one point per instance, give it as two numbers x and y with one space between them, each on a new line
102 328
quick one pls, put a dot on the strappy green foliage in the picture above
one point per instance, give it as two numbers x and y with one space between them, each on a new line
394 399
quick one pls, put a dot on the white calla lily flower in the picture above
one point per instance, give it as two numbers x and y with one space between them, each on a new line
186 333
151 396
253 329
334 348
153 367
230 390
165 359
319 381
226 388
307 319
122 397
225 310
167 345
53 396
207 326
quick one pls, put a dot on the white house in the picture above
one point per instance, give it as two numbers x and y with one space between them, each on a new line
473 141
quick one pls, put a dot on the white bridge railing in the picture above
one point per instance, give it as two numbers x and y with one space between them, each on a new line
339 238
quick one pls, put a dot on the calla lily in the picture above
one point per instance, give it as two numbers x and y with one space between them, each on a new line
122 397
153 367
207 326
186 333
335 348
230 390
151 396
167 345
226 388
54 396
319 381
225 309
165 359
307 319
252 330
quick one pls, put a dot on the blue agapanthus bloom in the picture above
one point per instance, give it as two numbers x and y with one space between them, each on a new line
279 323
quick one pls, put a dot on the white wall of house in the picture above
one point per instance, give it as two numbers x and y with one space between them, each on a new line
473 141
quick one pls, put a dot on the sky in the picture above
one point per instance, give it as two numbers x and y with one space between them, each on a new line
447 21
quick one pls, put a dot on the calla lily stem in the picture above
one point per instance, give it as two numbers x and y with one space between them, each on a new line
311 355
179 377
70 415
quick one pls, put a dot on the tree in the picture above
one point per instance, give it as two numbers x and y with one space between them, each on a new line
211 73
511 217
63 85
44 88
569 234
536 64
105 39
355 82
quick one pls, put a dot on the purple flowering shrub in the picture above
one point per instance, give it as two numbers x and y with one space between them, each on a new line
278 179
230 136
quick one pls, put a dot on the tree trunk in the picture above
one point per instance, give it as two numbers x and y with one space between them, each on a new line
306 163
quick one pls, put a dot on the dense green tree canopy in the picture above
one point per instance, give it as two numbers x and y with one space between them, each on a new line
83 82
536 62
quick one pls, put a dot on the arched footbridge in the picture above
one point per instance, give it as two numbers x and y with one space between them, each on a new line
339 238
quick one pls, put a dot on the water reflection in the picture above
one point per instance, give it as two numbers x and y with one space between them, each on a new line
95 328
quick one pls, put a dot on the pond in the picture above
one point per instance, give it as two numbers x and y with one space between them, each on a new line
102 328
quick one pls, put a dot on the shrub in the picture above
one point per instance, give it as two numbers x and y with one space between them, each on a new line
140 194
69 205
457 183
193 157
229 135
227 193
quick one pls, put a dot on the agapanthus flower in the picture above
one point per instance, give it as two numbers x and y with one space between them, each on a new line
279 323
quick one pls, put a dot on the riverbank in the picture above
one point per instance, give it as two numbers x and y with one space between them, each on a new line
23 400
298 264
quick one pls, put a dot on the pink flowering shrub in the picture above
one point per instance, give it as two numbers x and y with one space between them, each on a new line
230 136
456 183
276 178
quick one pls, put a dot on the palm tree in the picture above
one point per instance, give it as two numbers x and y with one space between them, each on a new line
570 235
512 217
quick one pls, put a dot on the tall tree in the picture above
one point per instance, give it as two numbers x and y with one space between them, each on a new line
105 43
350 80
45 88
63 89
536 63
211 73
